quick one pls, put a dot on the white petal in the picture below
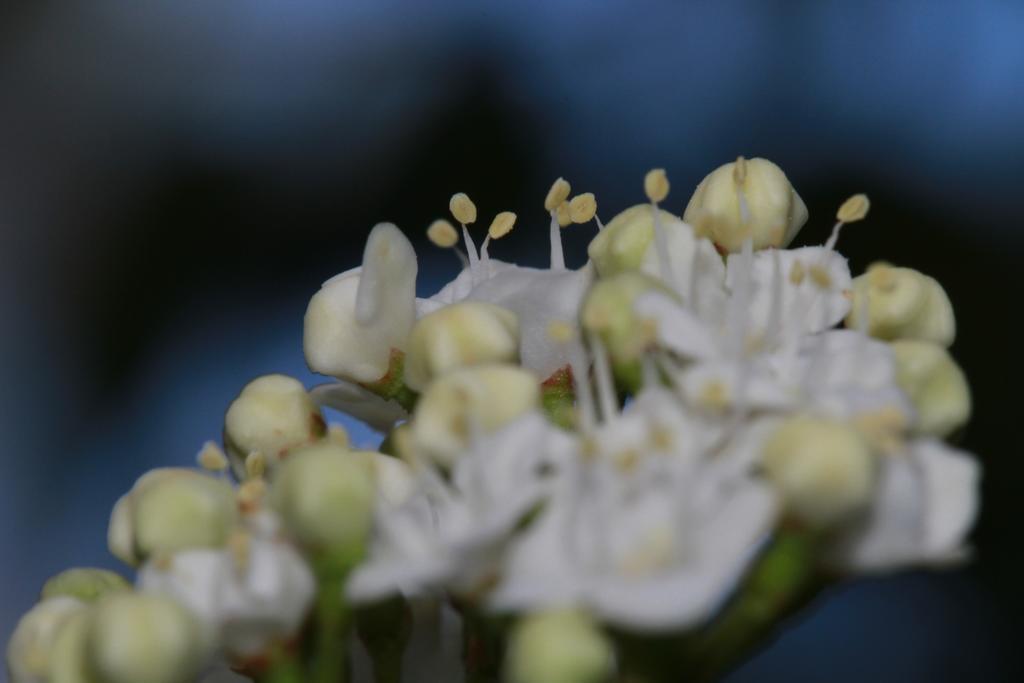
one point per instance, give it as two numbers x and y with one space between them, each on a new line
951 487
677 328
351 399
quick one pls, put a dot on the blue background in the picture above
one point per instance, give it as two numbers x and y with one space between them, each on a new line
176 179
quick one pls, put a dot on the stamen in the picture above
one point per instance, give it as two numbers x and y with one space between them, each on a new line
820 277
558 193
739 177
583 207
656 185
564 217
600 225
463 208
255 465
474 258
240 546
606 397
854 209
797 273
557 255
775 304
442 234
740 300
212 458
501 225
739 170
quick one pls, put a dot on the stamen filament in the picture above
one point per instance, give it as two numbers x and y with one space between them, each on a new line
557 255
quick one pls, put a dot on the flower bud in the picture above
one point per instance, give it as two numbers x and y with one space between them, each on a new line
901 303
460 335
935 385
273 415
325 496
776 212
823 469
359 316
456 405
68 663
30 649
171 509
134 637
561 646
608 311
87 584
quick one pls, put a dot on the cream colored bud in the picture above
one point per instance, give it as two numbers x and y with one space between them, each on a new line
656 185
563 646
901 303
358 317
557 195
824 470
456 405
854 209
30 655
463 208
460 335
443 234
776 211
134 637
608 311
273 415
68 660
935 385
583 207
501 225
325 496
84 583
171 509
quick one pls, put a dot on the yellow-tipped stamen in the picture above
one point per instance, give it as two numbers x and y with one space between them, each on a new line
739 171
255 465
820 277
337 435
240 547
250 494
854 209
582 208
443 234
656 185
212 458
463 208
797 272
558 193
501 225
564 215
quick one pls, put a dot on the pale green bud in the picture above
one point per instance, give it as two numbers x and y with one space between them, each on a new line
562 646
171 509
30 649
273 415
627 242
325 495
935 385
823 469
460 335
84 583
775 211
901 303
68 661
480 398
134 637
609 312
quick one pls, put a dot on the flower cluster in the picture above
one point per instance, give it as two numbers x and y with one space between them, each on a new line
618 472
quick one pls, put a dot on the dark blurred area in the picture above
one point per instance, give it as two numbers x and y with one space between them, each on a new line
177 178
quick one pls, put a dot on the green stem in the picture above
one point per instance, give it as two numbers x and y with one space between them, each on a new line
330 662
385 629
284 668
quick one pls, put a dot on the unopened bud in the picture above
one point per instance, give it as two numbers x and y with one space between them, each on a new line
562 646
30 655
824 470
609 312
325 496
460 335
901 303
84 583
273 415
471 400
776 212
935 385
171 509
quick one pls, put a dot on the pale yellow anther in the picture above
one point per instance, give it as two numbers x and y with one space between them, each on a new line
739 171
820 277
212 458
255 465
501 225
443 234
854 209
240 545
558 193
662 439
251 493
337 435
563 215
582 207
656 185
797 273
627 461
463 208
560 331
714 396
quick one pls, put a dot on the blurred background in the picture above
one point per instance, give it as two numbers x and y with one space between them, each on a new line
178 177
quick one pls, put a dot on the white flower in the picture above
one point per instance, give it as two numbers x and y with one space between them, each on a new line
923 507
248 597
359 317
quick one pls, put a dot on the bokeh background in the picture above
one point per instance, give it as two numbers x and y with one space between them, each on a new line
177 177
